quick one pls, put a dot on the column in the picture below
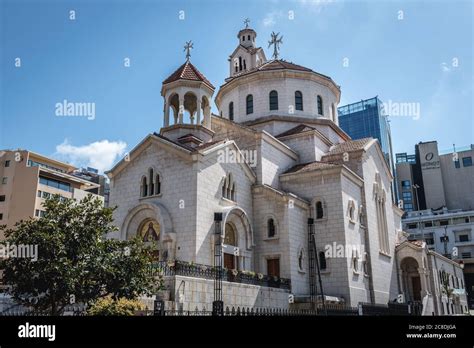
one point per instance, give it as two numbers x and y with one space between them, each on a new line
207 117
166 122
198 112
181 109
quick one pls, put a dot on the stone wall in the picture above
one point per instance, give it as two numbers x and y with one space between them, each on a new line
197 292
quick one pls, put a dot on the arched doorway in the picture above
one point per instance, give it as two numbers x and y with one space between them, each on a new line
411 279
237 240
230 240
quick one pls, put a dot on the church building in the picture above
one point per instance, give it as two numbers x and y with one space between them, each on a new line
276 167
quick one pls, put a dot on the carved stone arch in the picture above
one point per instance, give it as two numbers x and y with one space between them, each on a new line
241 221
142 211
148 212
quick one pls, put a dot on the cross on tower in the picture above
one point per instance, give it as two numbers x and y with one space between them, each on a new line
246 22
188 47
275 41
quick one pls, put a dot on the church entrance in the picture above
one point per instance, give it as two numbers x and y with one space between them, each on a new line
411 280
229 261
230 238
416 285
273 267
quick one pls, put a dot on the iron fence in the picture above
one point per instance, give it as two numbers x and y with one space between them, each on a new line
164 268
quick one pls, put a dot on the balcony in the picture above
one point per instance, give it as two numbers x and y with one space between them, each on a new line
181 268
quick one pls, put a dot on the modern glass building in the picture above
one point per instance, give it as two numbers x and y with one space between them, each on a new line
367 118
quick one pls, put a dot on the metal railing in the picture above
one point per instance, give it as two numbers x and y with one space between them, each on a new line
164 268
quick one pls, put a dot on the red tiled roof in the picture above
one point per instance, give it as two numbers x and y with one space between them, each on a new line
276 64
188 147
308 167
188 71
298 129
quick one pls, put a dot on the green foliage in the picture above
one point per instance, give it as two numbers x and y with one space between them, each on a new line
110 306
75 260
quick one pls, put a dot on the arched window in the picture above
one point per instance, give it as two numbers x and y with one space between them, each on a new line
240 63
232 192
271 231
151 179
245 65
231 111
322 260
355 264
380 198
319 210
144 187
273 100
299 100
248 37
320 105
249 101
157 184
365 264
228 188
301 259
351 210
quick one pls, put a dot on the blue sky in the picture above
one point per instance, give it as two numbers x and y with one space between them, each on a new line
402 51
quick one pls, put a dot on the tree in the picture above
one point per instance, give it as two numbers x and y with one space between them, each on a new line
109 306
75 262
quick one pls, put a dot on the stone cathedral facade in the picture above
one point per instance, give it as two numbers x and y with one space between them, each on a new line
272 158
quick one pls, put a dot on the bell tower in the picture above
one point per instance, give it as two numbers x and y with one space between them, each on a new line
246 56
187 95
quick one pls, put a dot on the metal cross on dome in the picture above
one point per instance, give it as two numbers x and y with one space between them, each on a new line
246 22
275 41
188 47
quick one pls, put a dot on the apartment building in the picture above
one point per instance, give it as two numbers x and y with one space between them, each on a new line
28 178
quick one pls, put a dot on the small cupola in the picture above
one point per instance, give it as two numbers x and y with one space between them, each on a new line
247 35
187 97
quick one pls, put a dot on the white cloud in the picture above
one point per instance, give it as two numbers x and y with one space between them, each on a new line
445 67
271 17
315 5
99 154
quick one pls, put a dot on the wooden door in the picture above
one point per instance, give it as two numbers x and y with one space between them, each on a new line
273 267
416 283
229 261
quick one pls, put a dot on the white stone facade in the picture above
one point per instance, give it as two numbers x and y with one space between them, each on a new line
299 165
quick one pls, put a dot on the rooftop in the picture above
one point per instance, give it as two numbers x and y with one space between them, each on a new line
188 72
349 146
275 64
311 166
